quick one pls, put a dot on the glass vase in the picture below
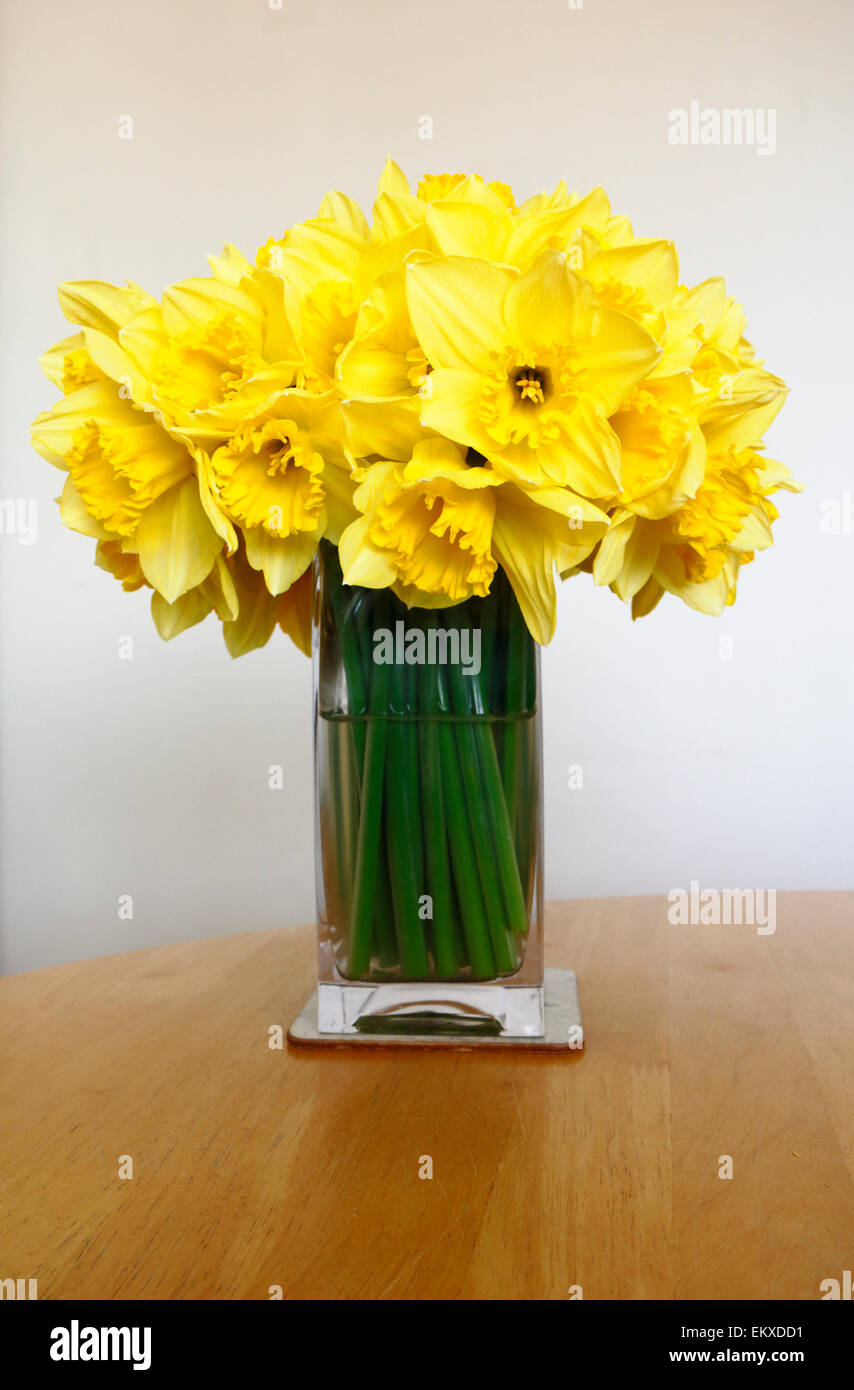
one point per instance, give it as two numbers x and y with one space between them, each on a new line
428 804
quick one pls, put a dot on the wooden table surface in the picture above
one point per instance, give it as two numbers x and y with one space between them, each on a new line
255 1168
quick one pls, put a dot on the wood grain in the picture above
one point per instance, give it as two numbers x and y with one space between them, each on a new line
256 1167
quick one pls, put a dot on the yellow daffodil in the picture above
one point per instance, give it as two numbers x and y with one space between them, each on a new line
426 529
104 309
216 594
259 612
381 375
212 353
121 564
436 528
484 226
68 365
468 217
119 459
527 368
285 482
128 479
233 590
160 392
662 447
696 550
329 265
440 187
694 504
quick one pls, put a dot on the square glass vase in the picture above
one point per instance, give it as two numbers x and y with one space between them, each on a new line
428 813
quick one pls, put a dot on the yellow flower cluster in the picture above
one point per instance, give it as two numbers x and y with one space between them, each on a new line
462 384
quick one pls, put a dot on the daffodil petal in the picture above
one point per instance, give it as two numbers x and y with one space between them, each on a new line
456 309
387 429
470 229
755 534
395 214
295 609
369 370
281 559
223 591
96 304
75 515
362 562
177 544
171 619
649 265
338 487
451 406
618 356
612 548
527 558
114 362
741 421
639 559
207 493
646 599
393 179
344 211
543 304
708 597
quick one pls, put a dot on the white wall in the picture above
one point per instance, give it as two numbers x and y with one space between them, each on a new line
149 776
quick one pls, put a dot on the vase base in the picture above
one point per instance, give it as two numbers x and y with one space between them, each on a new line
462 1017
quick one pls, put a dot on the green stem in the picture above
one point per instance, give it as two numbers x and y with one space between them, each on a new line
475 744
367 604
401 827
445 932
411 680
368 862
348 641
468 693
345 777
514 734
466 875
383 909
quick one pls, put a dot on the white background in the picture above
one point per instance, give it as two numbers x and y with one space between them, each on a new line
149 777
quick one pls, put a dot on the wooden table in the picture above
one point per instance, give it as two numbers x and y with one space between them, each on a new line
255 1167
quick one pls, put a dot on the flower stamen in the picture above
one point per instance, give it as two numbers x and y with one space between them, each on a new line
531 383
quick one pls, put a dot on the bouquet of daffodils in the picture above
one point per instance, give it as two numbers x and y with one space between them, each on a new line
462 385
